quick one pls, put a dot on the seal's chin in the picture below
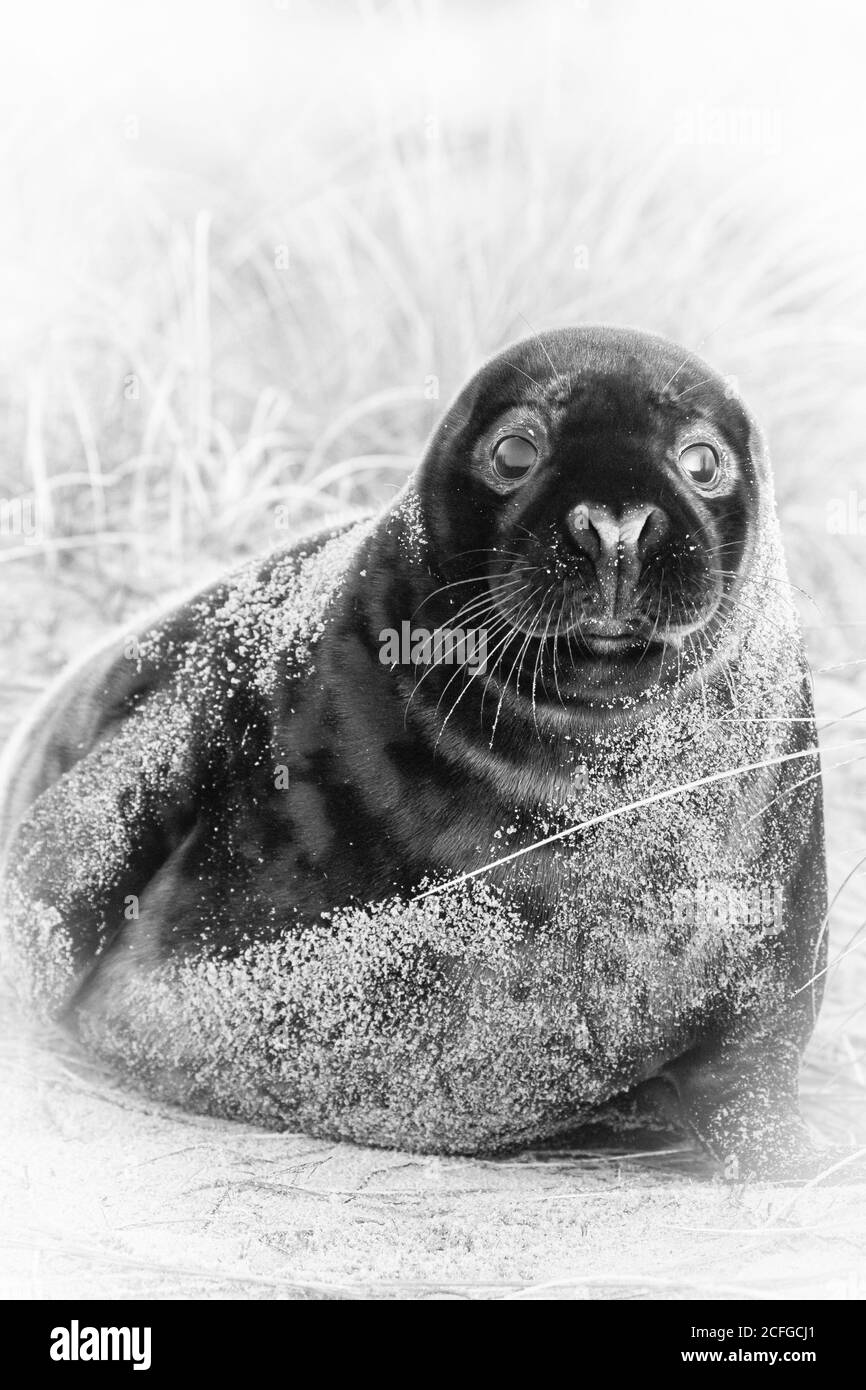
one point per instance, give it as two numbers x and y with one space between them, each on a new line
636 642
612 675
612 672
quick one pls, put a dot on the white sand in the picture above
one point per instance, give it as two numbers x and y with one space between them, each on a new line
106 1196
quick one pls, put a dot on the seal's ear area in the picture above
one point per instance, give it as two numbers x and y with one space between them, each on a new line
491 390
745 436
759 449
454 426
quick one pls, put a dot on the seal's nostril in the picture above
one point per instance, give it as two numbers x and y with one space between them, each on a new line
654 529
583 532
635 530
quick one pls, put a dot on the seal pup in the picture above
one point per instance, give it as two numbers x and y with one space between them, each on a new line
268 874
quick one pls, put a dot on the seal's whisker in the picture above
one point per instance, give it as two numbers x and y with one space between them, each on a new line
513 635
489 550
758 581
531 534
574 626
486 602
727 675
555 661
541 342
651 638
700 670
498 654
506 682
662 588
679 652
694 386
485 599
733 605
673 378
530 634
538 655
486 607
455 584
510 637
505 623
475 609
515 368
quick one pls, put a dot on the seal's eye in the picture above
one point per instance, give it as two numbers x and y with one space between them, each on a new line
701 463
513 458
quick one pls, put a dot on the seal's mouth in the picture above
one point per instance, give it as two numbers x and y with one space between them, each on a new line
558 615
606 640
619 644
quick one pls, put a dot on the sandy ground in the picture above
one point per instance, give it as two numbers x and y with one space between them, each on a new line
107 1196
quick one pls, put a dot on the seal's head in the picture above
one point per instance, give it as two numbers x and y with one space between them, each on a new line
592 498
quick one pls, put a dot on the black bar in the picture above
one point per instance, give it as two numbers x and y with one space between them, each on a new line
302 1335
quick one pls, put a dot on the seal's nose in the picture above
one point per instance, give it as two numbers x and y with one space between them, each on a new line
618 543
607 537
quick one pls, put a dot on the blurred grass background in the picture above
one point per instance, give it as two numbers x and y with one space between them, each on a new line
247 252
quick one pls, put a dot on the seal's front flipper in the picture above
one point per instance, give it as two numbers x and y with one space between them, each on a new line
741 1102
